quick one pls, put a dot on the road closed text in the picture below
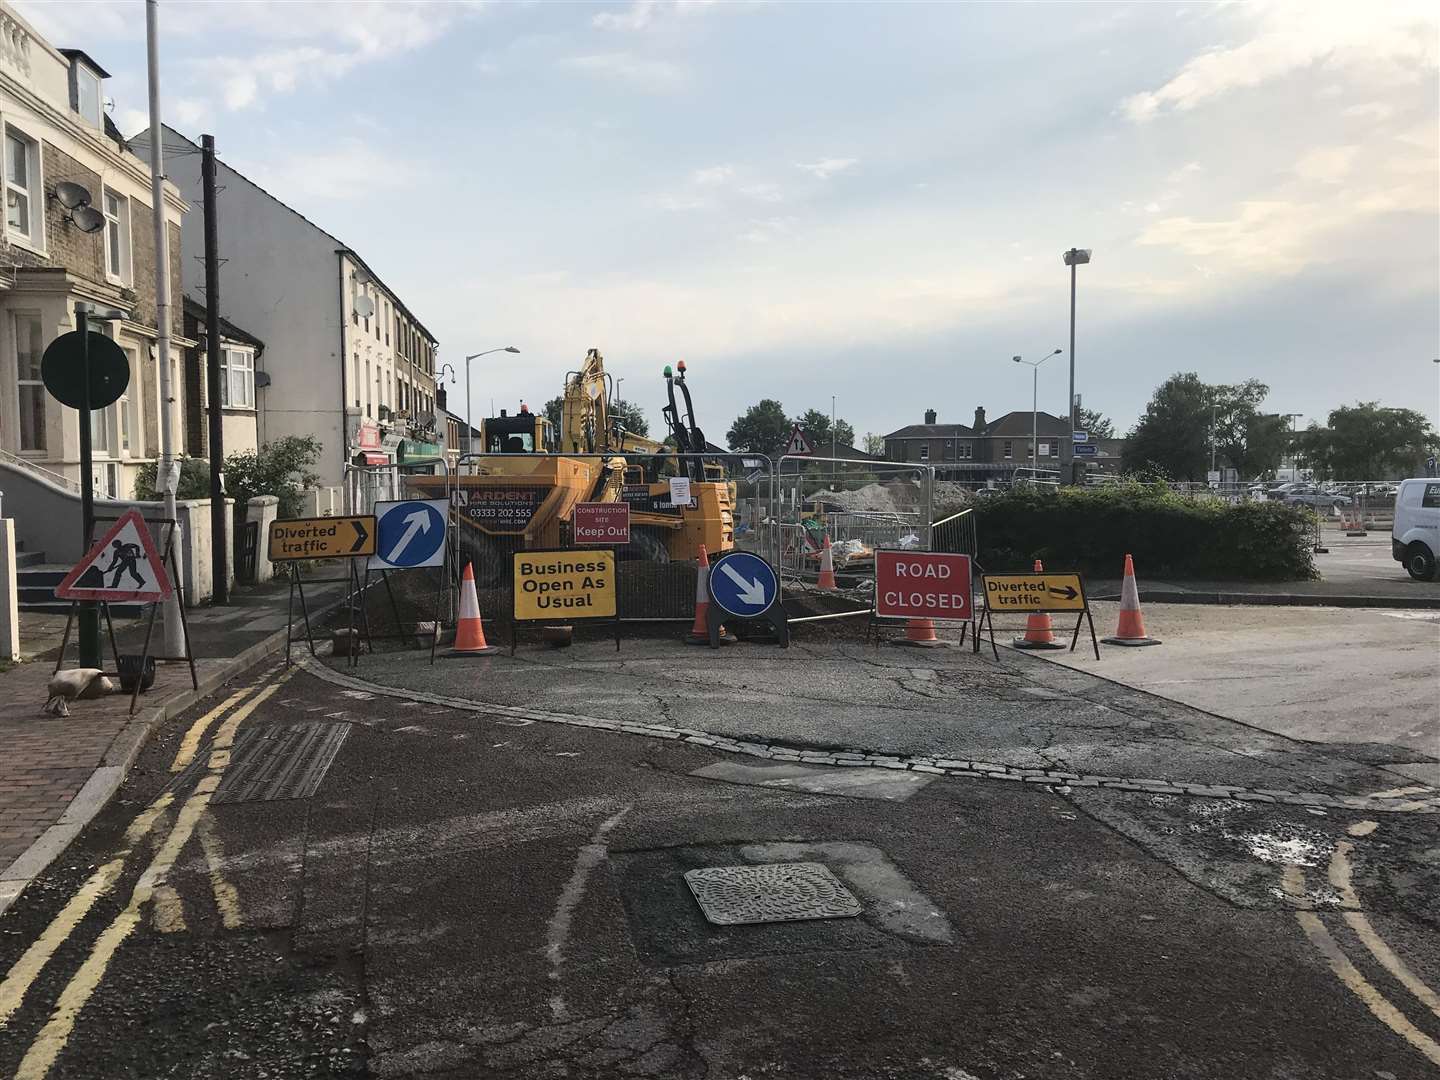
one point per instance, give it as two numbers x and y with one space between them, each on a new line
562 584
922 585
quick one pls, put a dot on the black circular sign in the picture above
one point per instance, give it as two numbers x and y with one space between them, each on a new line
61 370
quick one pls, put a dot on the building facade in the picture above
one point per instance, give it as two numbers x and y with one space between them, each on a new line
345 360
59 148
239 353
994 449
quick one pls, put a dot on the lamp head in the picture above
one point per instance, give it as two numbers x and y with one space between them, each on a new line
511 349
1016 359
1077 256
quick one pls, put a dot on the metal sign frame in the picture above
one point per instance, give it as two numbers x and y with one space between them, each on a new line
877 622
774 613
987 616
515 557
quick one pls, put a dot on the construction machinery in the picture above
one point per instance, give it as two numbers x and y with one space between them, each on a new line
522 492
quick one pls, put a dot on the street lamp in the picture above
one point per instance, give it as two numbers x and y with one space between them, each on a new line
1073 258
469 415
1035 406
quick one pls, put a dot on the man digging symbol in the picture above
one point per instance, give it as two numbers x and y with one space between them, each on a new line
123 558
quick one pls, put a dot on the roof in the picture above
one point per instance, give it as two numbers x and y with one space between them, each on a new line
341 247
81 54
823 450
933 431
228 330
1015 424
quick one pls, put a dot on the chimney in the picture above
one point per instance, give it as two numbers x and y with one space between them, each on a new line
440 396
979 419
929 416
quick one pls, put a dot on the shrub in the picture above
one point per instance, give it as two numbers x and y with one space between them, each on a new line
281 468
194 480
1092 530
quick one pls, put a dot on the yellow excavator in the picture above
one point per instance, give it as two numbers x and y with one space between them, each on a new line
522 494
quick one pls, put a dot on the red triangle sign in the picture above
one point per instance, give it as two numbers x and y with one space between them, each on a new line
122 567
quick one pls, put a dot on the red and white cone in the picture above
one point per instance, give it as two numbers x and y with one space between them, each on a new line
827 567
469 630
700 631
1039 630
1131 630
921 633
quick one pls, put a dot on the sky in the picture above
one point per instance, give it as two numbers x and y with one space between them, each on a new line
868 201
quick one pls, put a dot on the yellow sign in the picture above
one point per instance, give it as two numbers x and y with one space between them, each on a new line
1034 592
322 537
564 584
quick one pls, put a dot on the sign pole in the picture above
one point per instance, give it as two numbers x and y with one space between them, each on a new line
89 629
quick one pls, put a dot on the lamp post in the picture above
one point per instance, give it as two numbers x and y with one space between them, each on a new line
1073 258
1035 405
470 416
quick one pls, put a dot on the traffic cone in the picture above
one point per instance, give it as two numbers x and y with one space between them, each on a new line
1131 630
827 568
700 630
1039 630
921 633
469 631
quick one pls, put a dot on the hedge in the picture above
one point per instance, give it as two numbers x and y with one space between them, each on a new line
1170 535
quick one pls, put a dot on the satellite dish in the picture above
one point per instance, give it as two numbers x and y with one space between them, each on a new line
87 219
71 195
364 306
262 380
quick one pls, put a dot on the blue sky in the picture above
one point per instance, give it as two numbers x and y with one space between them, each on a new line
862 200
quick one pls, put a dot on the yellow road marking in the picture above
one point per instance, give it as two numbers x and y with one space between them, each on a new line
41 1055
20 977
1353 981
169 916
226 898
1340 877
1294 882
191 742
1395 793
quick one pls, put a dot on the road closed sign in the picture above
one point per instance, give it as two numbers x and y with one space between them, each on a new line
1034 592
922 585
564 584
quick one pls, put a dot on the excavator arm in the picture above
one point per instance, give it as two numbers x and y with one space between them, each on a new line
584 409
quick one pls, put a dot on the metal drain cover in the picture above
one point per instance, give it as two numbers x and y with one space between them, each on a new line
279 762
770 892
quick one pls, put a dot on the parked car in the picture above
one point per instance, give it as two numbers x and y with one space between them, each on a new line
1415 536
1317 499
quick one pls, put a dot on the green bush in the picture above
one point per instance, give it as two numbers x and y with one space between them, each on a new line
281 468
1170 535
194 480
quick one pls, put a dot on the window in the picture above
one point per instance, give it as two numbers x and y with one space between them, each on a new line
29 347
965 451
1009 449
125 411
117 238
1431 497
22 188
925 451
1044 449
367 383
388 318
237 378
87 95
357 383
102 431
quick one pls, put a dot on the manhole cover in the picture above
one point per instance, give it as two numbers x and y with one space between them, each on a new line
771 892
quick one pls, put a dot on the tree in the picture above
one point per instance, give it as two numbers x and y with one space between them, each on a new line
630 415
1241 435
1367 441
1173 437
874 445
817 426
761 430
553 408
1097 424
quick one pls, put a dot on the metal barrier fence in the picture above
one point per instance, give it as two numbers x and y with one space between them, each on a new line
956 534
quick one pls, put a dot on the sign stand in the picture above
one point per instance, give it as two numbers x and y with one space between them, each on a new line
607 557
919 585
165 560
1035 600
744 586
294 540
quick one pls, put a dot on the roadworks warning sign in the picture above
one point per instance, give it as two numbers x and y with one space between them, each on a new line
122 566
564 584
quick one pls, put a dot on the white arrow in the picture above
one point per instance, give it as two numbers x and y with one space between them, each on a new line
751 592
419 521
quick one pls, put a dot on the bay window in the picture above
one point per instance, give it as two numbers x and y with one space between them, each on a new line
29 339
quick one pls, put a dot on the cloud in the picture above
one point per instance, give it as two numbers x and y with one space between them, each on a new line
827 167
763 192
713 176
643 14
295 177
764 231
1370 110
1328 164
1389 42
653 76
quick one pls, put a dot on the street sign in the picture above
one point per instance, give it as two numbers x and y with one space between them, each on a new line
123 566
1086 450
62 367
1080 436
743 584
564 584
322 537
922 585
1034 592
602 523
798 445
410 534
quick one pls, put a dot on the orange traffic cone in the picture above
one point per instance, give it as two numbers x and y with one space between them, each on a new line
827 568
469 631
1131 630
700 630
921 633
1039 630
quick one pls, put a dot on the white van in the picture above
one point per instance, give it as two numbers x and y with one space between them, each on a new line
1415 537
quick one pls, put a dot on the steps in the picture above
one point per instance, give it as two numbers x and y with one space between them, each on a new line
36 580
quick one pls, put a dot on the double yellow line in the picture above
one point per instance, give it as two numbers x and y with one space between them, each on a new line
41 1055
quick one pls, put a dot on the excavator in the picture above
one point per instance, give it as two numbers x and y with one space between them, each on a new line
522 494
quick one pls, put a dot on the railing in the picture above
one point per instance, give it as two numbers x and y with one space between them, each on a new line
41 473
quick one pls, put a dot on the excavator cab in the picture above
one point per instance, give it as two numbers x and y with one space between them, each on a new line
523 433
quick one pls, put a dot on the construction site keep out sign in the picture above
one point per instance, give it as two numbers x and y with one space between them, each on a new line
1034 592
564 584
922 585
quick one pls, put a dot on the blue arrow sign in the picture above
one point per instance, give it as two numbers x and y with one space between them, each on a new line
411 534
743 584
1086 450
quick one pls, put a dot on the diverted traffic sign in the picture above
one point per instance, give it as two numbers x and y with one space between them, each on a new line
564 584
322 537
922 585
410 534
1034 592
122 566
602 523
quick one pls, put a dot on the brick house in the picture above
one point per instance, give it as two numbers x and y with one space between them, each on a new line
986 449
239 353
56 131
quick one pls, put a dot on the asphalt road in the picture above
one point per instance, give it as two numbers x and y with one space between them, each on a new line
463 894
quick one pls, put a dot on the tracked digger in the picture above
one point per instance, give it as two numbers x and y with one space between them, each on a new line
522 492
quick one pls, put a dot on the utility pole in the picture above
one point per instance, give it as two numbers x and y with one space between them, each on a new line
219 556
89 628
1073 258
166 474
